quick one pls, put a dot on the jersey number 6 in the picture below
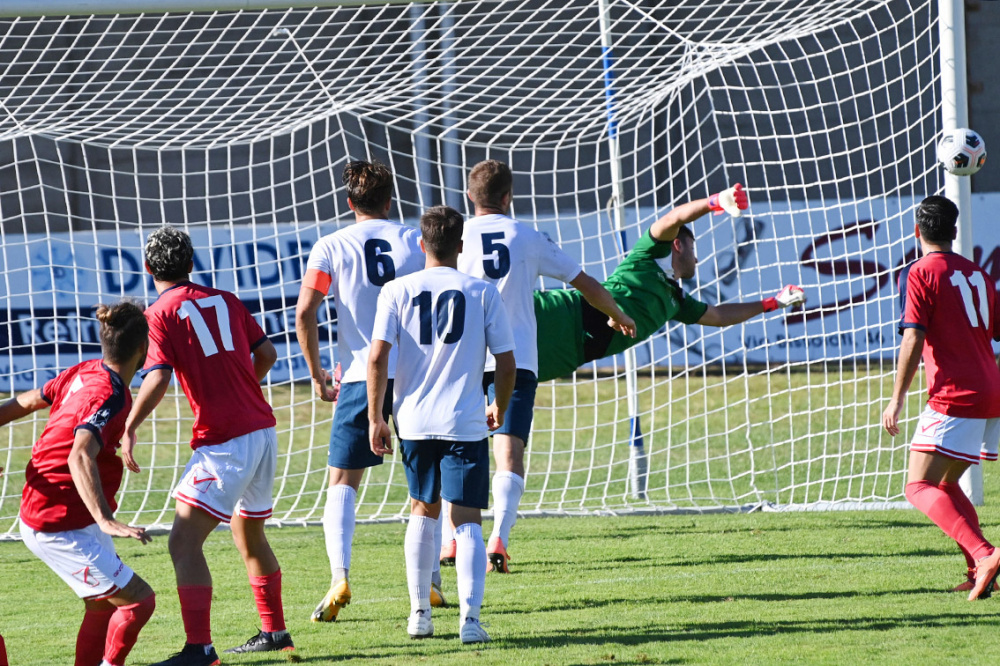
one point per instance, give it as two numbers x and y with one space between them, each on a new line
378 264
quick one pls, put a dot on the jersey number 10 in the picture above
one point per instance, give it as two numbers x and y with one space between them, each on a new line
965 286
450 321
187 310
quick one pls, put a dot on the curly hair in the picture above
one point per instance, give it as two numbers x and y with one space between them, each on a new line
169 253
123 329
369 186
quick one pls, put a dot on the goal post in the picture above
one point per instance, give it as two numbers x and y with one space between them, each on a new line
234 121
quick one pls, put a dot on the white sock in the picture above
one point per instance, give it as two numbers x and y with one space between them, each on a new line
447 533
338 529
470 569
507 490
436 571
419 550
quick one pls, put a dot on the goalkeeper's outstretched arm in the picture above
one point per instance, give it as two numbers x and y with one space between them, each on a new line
727 314
733 201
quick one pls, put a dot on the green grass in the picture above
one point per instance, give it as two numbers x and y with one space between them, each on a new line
818 588
720 438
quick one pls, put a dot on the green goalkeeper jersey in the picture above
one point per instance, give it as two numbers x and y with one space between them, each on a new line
571 332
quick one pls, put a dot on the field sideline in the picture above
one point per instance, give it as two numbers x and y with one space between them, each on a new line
823 588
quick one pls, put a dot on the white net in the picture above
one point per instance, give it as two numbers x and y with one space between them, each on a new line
236 126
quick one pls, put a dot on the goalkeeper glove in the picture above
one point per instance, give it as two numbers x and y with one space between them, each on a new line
734 201
789 295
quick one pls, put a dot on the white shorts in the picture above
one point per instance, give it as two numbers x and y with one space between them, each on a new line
955 437
233 477
85 559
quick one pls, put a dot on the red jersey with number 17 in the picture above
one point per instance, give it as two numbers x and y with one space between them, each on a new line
206 336
954 303
89 396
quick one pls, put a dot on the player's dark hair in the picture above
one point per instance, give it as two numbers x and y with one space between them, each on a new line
685 232
369 186
489 181
169 253
124 330
938 219
441 227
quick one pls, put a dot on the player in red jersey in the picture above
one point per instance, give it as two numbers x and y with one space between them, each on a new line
950 313
220 354
68 502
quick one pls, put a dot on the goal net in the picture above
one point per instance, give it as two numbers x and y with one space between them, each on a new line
235 126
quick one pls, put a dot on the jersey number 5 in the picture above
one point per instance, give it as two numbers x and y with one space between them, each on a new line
499 267
187 310
965 286
450 320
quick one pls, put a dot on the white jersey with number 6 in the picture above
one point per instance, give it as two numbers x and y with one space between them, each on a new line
512 255
358 261
442 322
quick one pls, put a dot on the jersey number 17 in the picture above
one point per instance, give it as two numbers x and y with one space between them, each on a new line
188 310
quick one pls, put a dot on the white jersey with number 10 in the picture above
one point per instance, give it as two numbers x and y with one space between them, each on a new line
442 322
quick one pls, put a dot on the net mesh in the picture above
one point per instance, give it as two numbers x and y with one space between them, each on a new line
236 125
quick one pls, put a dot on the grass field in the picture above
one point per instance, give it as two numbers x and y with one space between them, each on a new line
817 588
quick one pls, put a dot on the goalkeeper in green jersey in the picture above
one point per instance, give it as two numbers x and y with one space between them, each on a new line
646 287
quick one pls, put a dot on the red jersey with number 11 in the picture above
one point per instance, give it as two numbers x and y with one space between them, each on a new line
206 336
954 303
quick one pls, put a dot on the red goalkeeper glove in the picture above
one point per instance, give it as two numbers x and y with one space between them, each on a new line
733 201
789 295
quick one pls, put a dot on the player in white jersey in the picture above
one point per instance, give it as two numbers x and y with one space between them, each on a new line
352 264
442 322
512 256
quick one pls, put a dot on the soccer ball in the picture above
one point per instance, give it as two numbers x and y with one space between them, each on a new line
962 152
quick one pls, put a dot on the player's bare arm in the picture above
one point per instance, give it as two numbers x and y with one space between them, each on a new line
264 358
83 468
600 298
154 386
909 358
727 314
378 380
21 405
307 333
505 374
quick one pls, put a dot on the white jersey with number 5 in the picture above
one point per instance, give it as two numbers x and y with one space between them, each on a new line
442 322
355 263
512 255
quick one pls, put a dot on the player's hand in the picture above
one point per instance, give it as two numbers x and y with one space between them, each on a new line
623 324
118 529
789 295
733 201
381 437
128 443
890 418
322 386
494 417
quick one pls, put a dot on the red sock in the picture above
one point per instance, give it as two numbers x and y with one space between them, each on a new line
196 612
267 594
940 507
968 509
3 653
90 639
123 630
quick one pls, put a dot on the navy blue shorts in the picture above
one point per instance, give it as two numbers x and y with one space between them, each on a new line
457 471
521 410
350 447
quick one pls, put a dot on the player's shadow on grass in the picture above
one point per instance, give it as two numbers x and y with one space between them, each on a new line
706 631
